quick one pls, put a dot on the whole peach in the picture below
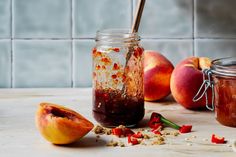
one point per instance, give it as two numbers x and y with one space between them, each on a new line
157 73
61 125
186 80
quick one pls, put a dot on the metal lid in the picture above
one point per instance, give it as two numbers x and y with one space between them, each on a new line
224 66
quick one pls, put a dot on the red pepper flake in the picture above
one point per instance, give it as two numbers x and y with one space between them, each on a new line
116 49
96 53
185 129
98 67
138 135
105 60
116 66
99 53
122 131
132 140
94 50
114 76
104 67
123 78
217 139
156 131
138 52
117 131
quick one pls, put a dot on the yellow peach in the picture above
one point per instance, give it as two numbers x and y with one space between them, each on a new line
61 125
186 80
157 73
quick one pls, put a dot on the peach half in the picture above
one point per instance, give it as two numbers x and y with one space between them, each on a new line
61 125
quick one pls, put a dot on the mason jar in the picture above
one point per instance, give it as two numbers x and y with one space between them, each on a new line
118 94
220 78
224 81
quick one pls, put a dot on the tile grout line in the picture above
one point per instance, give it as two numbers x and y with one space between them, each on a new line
12 53
194 27
149 38
72 46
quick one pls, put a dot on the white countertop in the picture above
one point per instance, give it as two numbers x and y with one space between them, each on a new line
20 138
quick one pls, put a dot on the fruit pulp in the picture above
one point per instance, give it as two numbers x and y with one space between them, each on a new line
112 108
225 100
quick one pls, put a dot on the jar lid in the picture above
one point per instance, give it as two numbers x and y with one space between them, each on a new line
224 66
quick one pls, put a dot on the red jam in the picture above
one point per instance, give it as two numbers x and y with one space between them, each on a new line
111 108
225 100
223 73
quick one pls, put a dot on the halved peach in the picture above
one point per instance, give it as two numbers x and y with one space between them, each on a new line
61 125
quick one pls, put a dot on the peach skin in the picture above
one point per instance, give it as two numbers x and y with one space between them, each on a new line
157 73
186 80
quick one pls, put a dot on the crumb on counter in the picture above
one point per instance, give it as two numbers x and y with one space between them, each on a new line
101 130
113 143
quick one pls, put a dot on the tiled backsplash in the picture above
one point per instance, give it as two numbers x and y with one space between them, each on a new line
47 43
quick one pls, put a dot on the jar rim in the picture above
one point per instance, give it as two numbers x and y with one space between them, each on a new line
115 31
224 66
117 35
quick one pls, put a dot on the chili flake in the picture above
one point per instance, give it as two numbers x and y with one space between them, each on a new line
98 67
217 139
114 76
116 49
185 129
116 66
138 52
106 60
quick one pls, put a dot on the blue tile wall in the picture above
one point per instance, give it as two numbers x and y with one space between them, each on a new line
93 15
5 63
42 63
5 19
47 43
42 18
174 50
167 19
83 62
215 19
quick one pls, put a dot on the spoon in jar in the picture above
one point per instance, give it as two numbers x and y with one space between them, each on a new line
134 29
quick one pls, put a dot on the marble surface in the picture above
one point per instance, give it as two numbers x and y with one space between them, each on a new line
19 137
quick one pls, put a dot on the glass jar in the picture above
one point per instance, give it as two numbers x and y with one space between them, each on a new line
221 79
118 95
224 78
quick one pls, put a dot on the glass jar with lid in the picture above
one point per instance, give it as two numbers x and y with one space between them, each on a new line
224 78
221 78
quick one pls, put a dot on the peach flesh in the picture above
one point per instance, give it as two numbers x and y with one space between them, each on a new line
61 125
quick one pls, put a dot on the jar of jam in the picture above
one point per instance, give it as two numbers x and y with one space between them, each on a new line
224 79
118 95
221 78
